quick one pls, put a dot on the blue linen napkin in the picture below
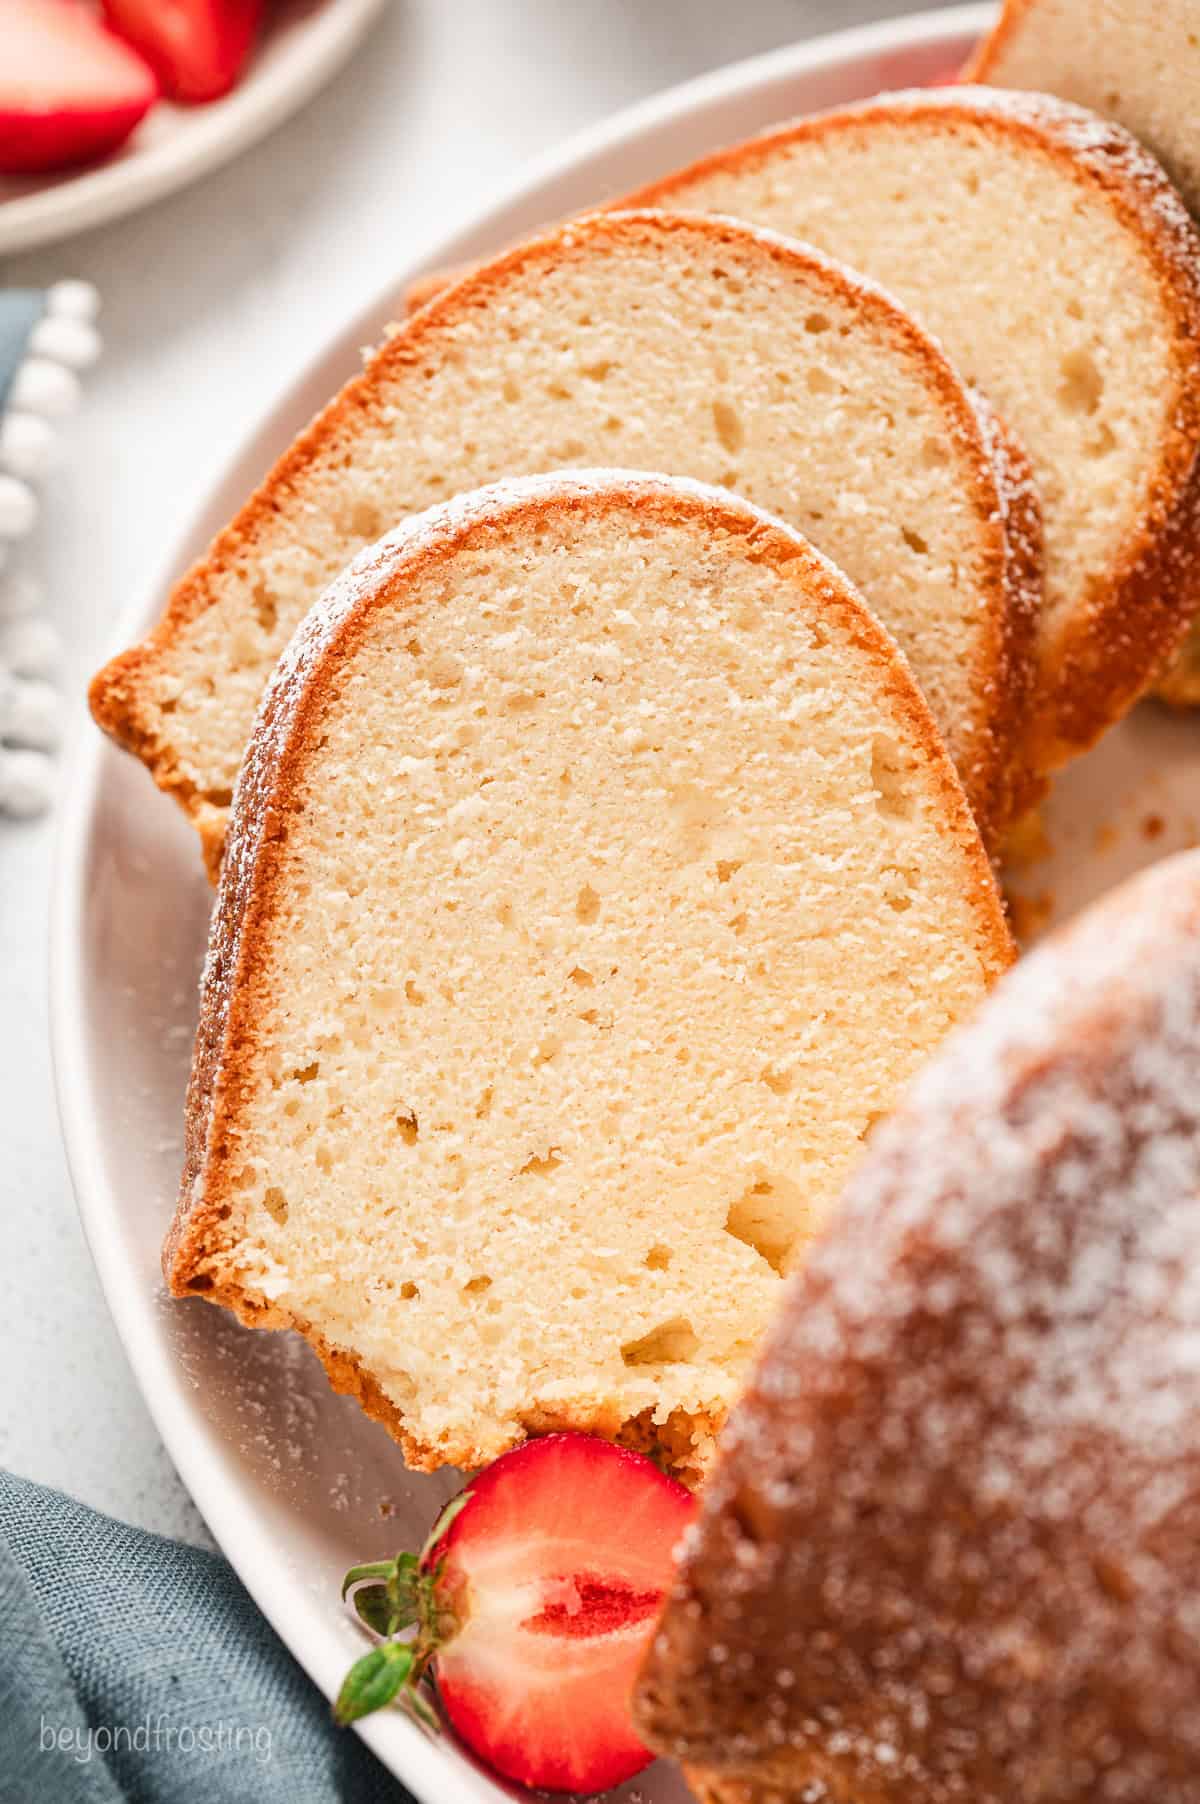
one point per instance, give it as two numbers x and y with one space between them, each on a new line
20 311
136 1670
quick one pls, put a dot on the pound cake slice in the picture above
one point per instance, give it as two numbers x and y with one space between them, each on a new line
697 347
596 879
1050 254
951 1550
1139 65
1136 63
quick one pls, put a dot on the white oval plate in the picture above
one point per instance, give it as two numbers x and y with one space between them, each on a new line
305 43
292 1480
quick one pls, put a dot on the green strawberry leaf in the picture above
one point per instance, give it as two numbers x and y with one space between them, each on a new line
389 1606
372 1606
374 1569
374 1681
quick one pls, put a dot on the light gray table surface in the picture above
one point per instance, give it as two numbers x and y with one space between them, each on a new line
212 300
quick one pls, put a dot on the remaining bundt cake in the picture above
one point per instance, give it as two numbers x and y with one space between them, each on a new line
697 347
951 1551
1050 255
596 879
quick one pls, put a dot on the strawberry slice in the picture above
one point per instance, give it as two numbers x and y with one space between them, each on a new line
70 91
534 1599
197 48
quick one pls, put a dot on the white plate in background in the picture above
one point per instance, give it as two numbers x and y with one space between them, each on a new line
304 43
292 1480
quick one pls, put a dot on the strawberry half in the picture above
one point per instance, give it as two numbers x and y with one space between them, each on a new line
70 91
197 48
534 1600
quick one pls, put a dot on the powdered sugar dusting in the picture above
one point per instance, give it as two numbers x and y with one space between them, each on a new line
961 1506
1024 543
1020 509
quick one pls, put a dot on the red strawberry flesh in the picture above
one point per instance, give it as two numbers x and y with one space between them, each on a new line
593 1607
70 92
198 48
554 1571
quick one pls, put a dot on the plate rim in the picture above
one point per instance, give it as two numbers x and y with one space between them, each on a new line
216 135
403 1749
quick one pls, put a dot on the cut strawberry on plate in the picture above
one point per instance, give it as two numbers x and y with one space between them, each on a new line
198 48
534 1600
70 92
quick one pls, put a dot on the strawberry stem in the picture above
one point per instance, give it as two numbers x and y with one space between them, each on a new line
389 1596
386 1594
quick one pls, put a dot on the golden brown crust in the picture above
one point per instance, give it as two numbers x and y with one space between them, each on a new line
988 52
715 1788
425 288
950 1545
1113 649
1025 547
777 1783
121 695
233 993
1179 684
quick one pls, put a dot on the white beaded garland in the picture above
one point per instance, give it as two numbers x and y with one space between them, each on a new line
41 386
30 712
44 388
18 508
30 648
28 445
26 783
70 341
73 300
